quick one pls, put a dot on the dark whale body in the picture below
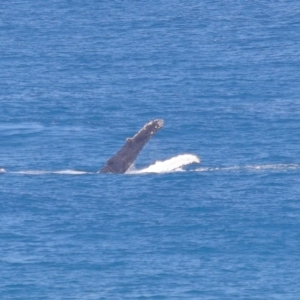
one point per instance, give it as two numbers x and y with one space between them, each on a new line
123 159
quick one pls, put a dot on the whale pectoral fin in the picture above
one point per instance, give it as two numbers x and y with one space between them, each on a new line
124 158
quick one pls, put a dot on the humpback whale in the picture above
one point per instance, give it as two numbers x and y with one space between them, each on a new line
123 159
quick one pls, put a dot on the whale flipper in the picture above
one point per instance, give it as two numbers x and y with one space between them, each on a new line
124 158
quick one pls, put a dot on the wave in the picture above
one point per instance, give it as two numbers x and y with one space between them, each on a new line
41 172
251 168
173 164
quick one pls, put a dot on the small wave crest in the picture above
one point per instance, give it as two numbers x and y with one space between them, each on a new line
170 165
41 172
174 164
251 168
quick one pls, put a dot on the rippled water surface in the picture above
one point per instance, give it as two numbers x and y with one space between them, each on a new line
79 77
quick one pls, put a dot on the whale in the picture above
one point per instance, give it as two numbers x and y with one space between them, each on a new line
124 158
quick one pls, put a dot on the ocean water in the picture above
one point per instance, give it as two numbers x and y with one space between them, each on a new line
79 77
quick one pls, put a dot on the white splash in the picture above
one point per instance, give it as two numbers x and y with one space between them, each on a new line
170 165
2 170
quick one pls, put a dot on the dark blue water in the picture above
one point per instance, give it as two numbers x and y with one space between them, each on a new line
78 77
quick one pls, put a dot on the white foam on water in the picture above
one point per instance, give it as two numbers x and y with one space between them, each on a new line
173 164
248 168
31 172
41 172
71 172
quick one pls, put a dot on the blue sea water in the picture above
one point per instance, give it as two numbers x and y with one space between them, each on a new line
78 77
